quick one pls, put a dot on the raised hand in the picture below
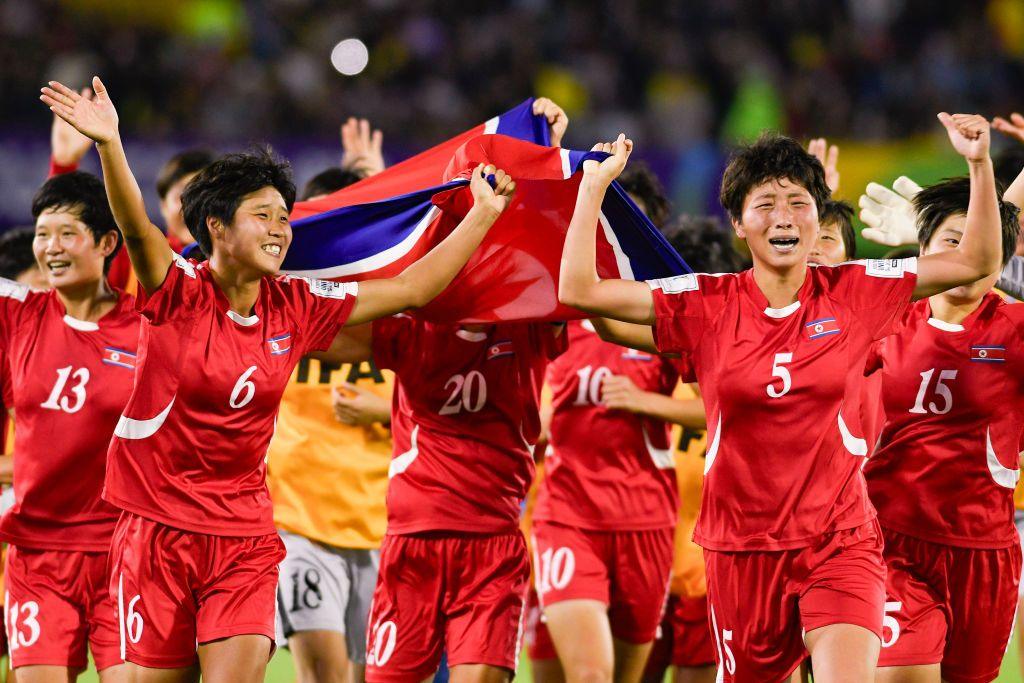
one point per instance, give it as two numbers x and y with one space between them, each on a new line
556 117
496 198
67 145
362 147
608 170
969 134
889 214
95 118
1014 127
829 158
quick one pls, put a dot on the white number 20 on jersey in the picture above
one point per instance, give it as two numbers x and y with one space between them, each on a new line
468 392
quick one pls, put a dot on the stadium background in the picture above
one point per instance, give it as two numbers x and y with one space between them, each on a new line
686 79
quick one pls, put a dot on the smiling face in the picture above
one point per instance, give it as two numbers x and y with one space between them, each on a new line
67 252
779 223
946 238
829 249
260 234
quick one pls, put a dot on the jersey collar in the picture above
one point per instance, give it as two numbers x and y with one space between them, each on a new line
761 301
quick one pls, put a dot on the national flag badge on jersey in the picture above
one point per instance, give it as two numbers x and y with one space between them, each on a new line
119 357
821 328
280 345
633 354
500 349
988 354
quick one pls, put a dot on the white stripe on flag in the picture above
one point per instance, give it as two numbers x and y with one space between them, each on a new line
566 166
491 126
621 260
378 260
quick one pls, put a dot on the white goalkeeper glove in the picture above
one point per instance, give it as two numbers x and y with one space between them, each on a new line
889 214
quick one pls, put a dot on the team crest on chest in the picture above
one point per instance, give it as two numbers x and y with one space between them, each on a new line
500 349
119 357
988 354
821 328
280 344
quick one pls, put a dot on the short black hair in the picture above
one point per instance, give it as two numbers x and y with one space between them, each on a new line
80 193
772 157
640 181
704 243
220 187
840 213
328 181
16 251
951 197
1008 164
180 165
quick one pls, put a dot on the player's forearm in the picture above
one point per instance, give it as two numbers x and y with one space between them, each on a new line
420 283
630 335
981 244
686 412
430 275
148 250
1011 280
579 285
7 468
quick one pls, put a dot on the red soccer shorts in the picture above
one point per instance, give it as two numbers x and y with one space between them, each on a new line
626 570
535 634
684 639
761 603
950 605
176 588
463 593
57 604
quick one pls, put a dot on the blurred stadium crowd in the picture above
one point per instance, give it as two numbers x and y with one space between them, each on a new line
683 78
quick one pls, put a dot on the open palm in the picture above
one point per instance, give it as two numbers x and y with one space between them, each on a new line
95 118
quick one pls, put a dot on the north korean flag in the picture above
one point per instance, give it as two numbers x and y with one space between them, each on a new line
988 354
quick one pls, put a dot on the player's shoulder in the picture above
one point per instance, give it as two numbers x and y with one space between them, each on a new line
1010 311
883 269
22 296
9 289
696 282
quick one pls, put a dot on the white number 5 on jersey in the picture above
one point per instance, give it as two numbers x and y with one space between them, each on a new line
780 371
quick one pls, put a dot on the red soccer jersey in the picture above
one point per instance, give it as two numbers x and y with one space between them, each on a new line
464 421
189 449
953 395
782 391
609 470
68 381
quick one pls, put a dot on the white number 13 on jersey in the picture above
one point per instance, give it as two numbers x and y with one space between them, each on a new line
780 371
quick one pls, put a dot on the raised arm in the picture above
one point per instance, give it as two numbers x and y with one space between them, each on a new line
150 254
417 285
979 253
579 285
630 335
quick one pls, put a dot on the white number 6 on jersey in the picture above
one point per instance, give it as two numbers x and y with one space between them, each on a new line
243 384
780 371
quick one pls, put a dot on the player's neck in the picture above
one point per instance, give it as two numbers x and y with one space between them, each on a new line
952 310
780 287
240 289
88 302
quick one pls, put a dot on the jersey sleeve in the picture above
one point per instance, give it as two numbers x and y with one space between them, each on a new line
176 298
683 366
15 300
321 308
877 291
390 335
681 306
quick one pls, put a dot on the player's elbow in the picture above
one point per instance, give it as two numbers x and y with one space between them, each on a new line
573 293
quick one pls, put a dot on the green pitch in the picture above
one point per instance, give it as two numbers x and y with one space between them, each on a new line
281 671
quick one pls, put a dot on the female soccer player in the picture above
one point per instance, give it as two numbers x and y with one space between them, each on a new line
195 553
943 476
793 554
71 355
